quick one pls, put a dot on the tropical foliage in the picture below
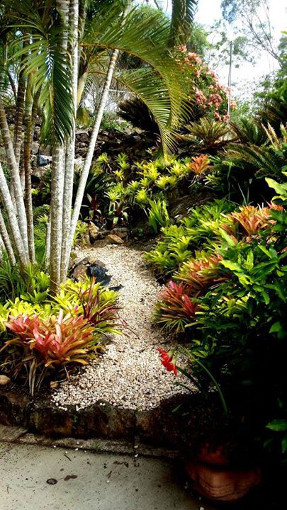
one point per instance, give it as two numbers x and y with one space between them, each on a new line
48 73
42 334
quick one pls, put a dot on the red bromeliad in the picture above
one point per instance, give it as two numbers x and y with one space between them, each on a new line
175 309
199 275
167 361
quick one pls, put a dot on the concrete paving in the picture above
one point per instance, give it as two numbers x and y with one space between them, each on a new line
47 478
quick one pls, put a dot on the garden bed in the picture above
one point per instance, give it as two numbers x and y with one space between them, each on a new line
127 392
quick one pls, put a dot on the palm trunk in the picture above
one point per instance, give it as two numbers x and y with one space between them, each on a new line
48 243
12 220
18 125
56 211
19 116
6 241
81 86
12 84
29 117
93 139
90 153
2 248
14 169
70 152
57 179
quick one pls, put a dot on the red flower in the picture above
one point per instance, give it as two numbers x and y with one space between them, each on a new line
166 360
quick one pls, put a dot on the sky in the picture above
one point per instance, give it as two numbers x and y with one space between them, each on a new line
246 77
209 11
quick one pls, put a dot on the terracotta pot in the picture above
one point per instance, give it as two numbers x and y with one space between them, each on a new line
220 483
216 457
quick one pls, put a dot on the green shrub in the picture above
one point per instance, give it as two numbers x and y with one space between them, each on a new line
199 229
237 327
158 216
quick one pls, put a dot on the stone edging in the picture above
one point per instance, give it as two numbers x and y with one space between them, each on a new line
160 426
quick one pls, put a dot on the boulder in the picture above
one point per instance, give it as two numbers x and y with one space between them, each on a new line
121 232
114 239
93 232
35 147
80 272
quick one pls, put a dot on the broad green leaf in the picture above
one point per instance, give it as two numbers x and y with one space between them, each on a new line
279 425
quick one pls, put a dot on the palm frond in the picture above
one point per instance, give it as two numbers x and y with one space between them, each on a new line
182 17
148 86
145 35
249 131
265 160
48 67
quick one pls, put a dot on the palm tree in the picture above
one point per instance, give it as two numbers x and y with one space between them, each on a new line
57 45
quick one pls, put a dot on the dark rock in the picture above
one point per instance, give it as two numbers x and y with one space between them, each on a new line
107 421
93 268
99 273
43 160
99 243
116 288
50 420
159 426
179 206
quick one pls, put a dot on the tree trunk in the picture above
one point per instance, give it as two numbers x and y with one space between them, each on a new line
94 137
29 117
6 241
2 248
56 211
12 83
48 243
70 152
90 153
17 188
81 86
18 125
57 179
19 116
12 219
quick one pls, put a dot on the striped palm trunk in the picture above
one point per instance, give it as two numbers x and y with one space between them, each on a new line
6 242
93 139
70 153
58 177
91 148
30 107
12 220
14 169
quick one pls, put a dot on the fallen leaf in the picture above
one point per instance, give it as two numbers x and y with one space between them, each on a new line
70 477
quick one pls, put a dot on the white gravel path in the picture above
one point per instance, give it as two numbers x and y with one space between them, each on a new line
130 373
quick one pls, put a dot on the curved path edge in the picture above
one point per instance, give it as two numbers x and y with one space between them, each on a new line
160 426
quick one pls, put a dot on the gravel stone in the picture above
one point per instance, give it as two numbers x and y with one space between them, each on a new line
129 374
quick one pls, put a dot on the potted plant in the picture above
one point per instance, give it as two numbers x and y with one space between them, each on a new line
219 465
